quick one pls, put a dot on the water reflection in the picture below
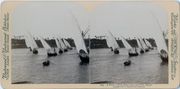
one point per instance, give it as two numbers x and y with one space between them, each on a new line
104 67
83 71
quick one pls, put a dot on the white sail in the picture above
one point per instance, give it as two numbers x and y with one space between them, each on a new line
143 44
30 42
113 41
79 42
57 43
148 43
109 44
67 43
62 43
78 39
27 41
160 39
126 44
138 43
45 44
160 42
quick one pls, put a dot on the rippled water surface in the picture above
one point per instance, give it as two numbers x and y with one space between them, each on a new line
104 66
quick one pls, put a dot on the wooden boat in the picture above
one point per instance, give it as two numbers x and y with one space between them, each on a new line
46 63
60 50
161 42
148 44
112 43
79 42
162 48
141 50
63 46
31 44
127 63
131 51
67 44
50 51
143 45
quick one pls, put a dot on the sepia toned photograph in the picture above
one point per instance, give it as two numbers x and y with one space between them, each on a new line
89 43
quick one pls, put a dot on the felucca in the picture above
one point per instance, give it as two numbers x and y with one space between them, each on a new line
63 46
148 44
162 48
131 51
50 51
141 50
30 42
60 51
80 43
161 41
67 44
143 45
112 43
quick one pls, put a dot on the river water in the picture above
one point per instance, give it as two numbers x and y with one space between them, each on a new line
104 66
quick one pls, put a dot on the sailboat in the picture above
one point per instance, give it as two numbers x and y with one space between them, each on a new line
50 51
161 42
80 43
139 46
63 46
30 42
60 51
148 44
67 44
109 44
131 51
111 41
143 45
162 48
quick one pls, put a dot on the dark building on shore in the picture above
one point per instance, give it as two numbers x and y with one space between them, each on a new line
94 43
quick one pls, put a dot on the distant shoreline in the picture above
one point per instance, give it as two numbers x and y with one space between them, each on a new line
95 43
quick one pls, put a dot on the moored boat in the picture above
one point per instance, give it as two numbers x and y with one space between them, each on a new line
50 51
161 42
67 44
141 50
127 63
143 45
59 48
131 51
79 43
112 43
31 44
63 46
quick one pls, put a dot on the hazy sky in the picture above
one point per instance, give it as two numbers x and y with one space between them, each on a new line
128 19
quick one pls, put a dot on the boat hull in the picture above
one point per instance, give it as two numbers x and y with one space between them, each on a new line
164 59
60 51
127 63
141 51
133 54
84 57
116 51
164 56
35 51
46 63
51 54
147 50
65 50
84 60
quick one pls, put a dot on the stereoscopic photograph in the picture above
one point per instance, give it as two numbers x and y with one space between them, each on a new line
89 43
